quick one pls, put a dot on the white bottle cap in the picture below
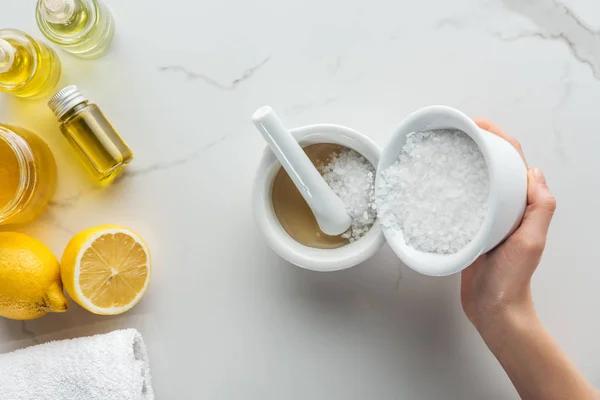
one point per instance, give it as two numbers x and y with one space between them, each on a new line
57 11
7 55
64 100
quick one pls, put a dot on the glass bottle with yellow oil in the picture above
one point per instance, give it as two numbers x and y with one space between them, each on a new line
28 68
27 175
84 28
91 134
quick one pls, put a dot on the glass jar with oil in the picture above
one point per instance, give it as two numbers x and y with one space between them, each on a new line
91 134
27 173
28 68
84 28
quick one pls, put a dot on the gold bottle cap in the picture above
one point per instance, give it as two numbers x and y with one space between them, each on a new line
57 11
7 55
64 100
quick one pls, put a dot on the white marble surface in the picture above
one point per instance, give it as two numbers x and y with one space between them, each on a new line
224 317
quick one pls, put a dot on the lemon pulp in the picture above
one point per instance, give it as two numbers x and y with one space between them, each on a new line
112 270
106 269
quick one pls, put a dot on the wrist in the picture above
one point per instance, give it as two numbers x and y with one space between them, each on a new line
509 319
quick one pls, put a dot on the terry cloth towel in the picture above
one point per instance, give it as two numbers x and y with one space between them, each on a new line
113 366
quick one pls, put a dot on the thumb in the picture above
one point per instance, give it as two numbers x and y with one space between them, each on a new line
538 214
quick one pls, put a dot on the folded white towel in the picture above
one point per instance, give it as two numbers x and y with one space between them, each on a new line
113 366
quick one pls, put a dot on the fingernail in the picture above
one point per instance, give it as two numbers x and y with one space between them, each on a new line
539 177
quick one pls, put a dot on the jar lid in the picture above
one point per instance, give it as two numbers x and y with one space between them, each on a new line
65 99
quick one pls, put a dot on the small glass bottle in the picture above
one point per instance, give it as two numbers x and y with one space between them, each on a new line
27 175
28 68
92 136
84 28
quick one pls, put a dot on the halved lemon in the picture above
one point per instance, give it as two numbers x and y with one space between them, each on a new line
106 269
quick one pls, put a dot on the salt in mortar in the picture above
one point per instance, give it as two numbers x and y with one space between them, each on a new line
352 178
437 192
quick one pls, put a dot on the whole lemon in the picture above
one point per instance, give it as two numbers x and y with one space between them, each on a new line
30 285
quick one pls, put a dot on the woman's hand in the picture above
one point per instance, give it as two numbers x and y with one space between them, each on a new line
500 280
496 296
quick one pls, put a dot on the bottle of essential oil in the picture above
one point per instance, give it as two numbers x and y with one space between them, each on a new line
82 27
92 136
27 175
28 68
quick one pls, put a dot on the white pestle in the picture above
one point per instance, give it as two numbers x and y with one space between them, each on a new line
328 209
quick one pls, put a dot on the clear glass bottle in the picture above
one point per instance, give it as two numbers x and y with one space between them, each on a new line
84 28
91 134
28 68
27 173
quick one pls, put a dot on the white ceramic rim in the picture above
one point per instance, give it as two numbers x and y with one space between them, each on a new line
279 240
441 264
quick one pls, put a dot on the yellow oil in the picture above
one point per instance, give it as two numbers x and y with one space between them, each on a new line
9 174
97 143
84 28
27 173
35 70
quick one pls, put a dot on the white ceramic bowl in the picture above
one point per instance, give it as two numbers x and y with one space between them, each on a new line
508 190
278 239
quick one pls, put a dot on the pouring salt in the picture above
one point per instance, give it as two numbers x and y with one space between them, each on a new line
436 193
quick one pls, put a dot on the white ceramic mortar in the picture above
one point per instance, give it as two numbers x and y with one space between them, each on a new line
507 199
278 239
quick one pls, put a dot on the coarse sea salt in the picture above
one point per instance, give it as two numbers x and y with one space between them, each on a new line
437 192
352 177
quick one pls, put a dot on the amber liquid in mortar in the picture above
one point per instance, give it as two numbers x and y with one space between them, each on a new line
292 211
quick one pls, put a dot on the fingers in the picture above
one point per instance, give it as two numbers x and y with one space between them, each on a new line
489 126
540 209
